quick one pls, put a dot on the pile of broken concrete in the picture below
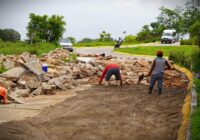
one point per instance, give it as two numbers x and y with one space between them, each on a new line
25 77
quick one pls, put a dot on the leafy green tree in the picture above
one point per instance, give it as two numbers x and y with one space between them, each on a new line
105 37
130 39
190 16
145 34
44 28
171 19
86 40
157 30
72 39
9 35
195 31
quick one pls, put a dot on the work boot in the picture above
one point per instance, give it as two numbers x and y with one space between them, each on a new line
150 90
160 91
106 83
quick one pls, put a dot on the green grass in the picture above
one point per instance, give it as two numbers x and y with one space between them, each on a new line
151 50
8 48
196 114
72 57
2 68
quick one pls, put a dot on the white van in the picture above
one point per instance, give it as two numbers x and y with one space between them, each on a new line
169 36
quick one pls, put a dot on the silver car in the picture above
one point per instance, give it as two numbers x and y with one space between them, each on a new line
66 44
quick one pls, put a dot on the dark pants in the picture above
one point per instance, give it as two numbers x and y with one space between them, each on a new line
156 77
113 71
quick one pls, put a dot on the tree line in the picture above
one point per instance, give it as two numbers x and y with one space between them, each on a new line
50 29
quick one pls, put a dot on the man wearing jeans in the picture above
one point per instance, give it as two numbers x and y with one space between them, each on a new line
109 70
157 72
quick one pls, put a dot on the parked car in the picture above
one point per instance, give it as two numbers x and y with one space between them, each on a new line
66 44
169 36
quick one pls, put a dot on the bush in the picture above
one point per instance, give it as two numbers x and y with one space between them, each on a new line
196 125
2 68
187 42
196 60
8 48
72 57
181 58
197 83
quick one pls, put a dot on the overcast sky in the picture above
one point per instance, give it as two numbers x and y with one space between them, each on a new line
86 18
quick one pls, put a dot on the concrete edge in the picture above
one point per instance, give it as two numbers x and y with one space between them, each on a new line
184 130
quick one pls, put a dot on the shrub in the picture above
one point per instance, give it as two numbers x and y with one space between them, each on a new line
8 48
187 42
196 125
72 57
196 60
181 58
2 68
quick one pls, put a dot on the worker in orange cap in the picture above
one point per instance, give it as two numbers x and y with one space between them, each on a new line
157 72
3 95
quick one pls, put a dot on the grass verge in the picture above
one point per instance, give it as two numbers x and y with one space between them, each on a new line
8 48
151 50
196 115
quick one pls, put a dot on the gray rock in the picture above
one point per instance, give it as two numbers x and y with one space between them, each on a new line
38 91
32 84
60 85
46 86
25 56
22 92
14 73
34 67
8 64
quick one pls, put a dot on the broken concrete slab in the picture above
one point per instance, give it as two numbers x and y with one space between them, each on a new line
38 91
13 96
8 64
34 67
14 73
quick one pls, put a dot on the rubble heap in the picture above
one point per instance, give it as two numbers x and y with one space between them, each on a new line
25 77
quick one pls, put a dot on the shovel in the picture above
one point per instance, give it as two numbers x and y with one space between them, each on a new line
140 78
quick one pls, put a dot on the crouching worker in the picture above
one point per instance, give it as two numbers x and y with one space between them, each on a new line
3 95
157 72
109 70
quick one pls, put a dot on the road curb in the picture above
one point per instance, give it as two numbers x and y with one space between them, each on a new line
184 130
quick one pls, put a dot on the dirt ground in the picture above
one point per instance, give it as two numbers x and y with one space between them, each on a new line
104 113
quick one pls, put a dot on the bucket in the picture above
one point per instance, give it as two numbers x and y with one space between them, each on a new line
45 67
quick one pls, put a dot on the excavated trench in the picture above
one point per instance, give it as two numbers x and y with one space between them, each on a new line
105 113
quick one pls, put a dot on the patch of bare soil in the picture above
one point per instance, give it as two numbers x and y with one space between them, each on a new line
104 113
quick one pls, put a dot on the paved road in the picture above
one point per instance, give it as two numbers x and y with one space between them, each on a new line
109 50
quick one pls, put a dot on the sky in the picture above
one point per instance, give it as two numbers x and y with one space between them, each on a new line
86 18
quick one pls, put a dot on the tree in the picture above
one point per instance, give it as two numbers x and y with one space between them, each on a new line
72 39
9 35
144 34
105 37
171 19
130 39
195 31
157 30
86 40
191 15
44 28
